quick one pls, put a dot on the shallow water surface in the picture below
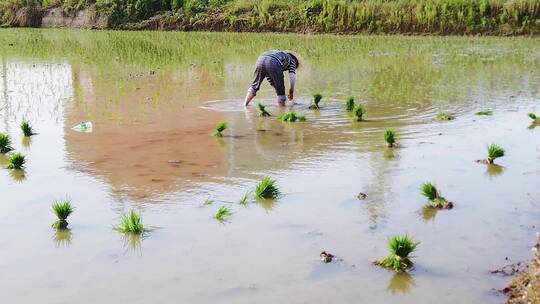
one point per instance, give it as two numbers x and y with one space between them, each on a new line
154 99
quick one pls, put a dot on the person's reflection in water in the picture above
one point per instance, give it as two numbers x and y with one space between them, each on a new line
62 237
401 283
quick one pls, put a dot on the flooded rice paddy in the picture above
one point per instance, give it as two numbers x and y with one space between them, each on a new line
154 99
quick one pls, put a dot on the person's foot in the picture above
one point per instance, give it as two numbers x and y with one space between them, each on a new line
281 103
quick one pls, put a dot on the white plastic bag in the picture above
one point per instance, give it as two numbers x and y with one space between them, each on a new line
83 127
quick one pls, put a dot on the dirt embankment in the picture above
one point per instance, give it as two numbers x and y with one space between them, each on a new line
525 286
56 17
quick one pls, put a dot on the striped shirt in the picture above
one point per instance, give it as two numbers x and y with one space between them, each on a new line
285 60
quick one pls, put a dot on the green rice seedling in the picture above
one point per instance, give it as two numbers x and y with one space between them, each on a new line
262 108
359 112
62 210
484 113
535 119
207 202
316 100
220 127
5 143
436 200
400 249
291 117
244 200
131 223
27 129
494 152
223 213
444 116
16 161
267 189
532 116
349 105
390 137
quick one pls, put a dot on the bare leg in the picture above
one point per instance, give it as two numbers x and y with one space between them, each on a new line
281 102
249 97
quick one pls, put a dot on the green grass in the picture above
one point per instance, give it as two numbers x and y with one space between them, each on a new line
244 200
433 195
484 113
359 112
220 127
316 100
223 213
349 105
5 143
401 248
390 137
262 108
445 116
494 152
62 210
16 161
27 129
267 189
207 202
291 117
131 223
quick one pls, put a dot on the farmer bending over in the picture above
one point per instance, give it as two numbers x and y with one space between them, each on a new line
271 66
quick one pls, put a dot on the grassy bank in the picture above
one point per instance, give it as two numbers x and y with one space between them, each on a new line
492 17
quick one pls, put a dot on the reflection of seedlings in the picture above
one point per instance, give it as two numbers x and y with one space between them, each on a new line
27 129
494 170
445 116
326 257
16 161
223 213
131 223
244 200
484 113
62 237
359 112
401 282
26 141
494 152
429 213
291 117
316 100
18 175
350 104
267 188
5 143
390 137
262 108
436 200
207 202
220 127
400 249
62 210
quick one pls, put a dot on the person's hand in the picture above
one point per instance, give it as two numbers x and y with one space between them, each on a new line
291 94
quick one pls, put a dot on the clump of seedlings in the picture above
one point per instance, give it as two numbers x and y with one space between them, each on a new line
244 200
494 152
349 105
316 100
62 210
267 189
262 108
434 196
536 120
359 112
291 117
5 143
131 223
400 249
445 116
485 113
27 129
390 137
220 127
223 213
207 202
16 161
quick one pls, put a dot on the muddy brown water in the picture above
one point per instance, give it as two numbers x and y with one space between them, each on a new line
154 99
